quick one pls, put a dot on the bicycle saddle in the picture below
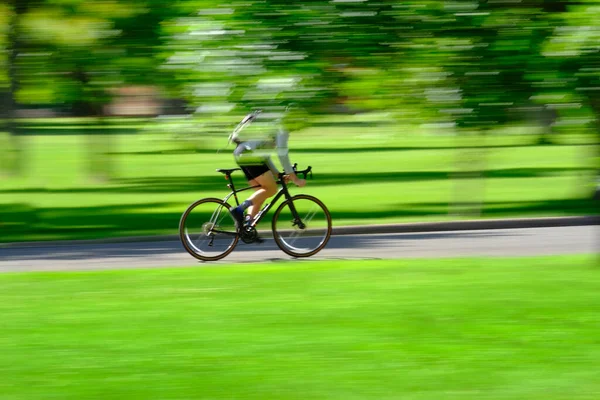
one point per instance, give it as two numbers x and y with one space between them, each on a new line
227 171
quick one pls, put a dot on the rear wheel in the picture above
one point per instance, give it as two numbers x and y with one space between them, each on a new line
301 226
207 229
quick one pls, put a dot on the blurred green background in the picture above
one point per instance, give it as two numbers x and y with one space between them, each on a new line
115 114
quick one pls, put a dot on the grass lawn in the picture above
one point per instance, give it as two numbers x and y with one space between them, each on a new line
365 174
524 328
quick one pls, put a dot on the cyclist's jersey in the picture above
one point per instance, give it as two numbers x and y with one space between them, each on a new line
258 151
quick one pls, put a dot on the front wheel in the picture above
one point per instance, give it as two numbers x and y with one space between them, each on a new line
207 229
301 226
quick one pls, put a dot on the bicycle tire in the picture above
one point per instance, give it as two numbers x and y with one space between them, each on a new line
229 232
301 203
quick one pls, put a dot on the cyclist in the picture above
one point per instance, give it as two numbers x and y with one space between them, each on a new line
253 156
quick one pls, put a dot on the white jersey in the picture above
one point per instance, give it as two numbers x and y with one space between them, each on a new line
258 143
257 151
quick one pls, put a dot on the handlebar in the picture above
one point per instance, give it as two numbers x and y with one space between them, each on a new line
304 172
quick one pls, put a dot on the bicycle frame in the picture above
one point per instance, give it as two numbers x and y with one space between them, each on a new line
283 191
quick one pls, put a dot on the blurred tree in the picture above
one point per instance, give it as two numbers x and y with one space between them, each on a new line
481 62
274 53
81 52
5 14
575 46
5 153
225 56
71 41
17 8
470 63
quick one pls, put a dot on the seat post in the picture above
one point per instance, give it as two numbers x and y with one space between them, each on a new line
231 186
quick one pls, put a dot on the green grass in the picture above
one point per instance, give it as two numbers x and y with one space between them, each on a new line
524 328
366 174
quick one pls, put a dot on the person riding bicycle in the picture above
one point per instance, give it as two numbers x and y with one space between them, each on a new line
253 156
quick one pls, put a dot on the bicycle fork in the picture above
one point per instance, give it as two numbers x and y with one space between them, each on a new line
296 221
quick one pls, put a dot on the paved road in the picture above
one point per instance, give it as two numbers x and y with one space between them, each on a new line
499 242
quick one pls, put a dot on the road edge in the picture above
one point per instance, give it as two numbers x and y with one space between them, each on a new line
440 226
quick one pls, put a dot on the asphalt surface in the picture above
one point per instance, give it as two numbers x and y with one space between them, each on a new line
169 253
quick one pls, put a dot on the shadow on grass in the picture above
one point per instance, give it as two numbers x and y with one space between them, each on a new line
352 124
450 147
565 207
79 131
210 185
333 150
20 222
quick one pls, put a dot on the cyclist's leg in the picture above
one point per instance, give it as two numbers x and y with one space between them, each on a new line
261 176
247 203
268 188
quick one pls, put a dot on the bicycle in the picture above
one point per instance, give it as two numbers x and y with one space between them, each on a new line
301 225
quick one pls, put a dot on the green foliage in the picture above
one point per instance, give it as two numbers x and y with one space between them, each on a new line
477 64
4 18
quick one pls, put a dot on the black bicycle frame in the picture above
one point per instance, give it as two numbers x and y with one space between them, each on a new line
283 191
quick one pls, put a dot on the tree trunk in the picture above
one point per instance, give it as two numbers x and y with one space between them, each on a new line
100 144
17 165
468 193
546 117
595 103
98 138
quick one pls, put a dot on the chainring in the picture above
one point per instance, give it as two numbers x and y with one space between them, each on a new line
248 234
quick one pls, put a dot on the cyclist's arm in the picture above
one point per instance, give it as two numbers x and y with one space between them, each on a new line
272 167
281 144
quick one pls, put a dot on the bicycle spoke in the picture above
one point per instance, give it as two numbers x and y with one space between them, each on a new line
315 222
208 230
292 239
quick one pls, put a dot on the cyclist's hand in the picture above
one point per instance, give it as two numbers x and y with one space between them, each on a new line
300 182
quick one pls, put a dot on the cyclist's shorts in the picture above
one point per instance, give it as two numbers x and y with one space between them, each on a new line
252 164
254 171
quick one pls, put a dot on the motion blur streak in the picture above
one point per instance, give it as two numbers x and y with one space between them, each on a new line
117 108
